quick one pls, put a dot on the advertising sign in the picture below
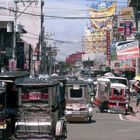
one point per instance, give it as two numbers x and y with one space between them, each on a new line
12 64
126 24
128 50
102 19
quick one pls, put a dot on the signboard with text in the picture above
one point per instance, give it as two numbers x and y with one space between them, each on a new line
129 50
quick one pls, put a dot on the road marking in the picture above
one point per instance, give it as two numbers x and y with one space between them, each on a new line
121 117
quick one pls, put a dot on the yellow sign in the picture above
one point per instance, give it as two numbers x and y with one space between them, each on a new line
127 14
102 19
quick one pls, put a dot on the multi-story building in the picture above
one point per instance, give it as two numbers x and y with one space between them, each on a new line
27 14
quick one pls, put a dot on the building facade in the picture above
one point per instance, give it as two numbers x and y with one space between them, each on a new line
28 27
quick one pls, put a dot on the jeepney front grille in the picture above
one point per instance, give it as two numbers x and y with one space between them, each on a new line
36 131
33 129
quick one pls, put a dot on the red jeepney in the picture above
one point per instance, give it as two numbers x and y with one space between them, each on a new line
119 98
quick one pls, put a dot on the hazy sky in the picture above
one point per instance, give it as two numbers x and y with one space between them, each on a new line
68 30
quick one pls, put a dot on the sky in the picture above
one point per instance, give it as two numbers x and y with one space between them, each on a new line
68 33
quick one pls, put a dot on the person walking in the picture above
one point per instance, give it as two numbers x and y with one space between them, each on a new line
137 85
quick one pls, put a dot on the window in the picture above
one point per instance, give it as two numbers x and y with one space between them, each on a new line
76 93
35 95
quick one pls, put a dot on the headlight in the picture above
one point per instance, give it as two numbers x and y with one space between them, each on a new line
90 109
3 126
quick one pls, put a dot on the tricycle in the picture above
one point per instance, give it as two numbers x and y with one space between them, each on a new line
78 104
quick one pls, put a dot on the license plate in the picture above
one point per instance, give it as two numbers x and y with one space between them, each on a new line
34 96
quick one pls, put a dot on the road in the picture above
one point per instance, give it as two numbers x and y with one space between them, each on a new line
104 126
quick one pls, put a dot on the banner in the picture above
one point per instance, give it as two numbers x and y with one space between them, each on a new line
102 19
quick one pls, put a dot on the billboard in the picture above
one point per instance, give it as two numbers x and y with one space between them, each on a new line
127 50
102 18
126 24
96 41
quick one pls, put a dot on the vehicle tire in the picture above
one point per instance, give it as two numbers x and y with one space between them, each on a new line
63 135
60 138
101 109
89 119
126 112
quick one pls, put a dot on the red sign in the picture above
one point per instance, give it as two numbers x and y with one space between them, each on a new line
129 50
127 27
108 45
12 64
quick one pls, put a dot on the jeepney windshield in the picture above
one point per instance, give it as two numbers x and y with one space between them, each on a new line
118 92
117 80
34 95
104 87
76 93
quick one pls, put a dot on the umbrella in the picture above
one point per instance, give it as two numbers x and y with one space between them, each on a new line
137 77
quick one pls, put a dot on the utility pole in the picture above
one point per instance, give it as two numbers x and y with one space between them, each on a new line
41 44
15 25
14 33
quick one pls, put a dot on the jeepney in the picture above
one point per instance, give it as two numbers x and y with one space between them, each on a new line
8 102
38 113
119 98
102 94
78 104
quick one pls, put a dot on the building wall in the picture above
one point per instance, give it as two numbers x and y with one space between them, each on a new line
31 23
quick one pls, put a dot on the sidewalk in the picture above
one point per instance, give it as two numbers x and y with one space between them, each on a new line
136 115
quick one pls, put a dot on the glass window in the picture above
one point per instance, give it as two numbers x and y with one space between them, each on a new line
35 95
76 93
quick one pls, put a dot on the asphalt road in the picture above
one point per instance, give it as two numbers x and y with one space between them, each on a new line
104 126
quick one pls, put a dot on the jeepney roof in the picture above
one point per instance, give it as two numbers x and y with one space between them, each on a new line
61 78
117 77
36 82
103 79
118 85
12 75
80 82
119 80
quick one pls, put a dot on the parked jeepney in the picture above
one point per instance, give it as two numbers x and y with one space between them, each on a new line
8 102
102 94
119 98
38 113
78 104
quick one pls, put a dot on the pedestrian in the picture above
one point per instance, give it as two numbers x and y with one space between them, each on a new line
137 85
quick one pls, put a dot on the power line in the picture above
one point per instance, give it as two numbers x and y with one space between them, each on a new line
62 17
55 40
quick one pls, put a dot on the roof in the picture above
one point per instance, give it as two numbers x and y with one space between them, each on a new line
58 78
12 75
117 77
103 79
79 82
29 82
118 85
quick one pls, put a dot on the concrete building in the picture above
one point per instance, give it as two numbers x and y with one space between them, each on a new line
28 16
136 7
